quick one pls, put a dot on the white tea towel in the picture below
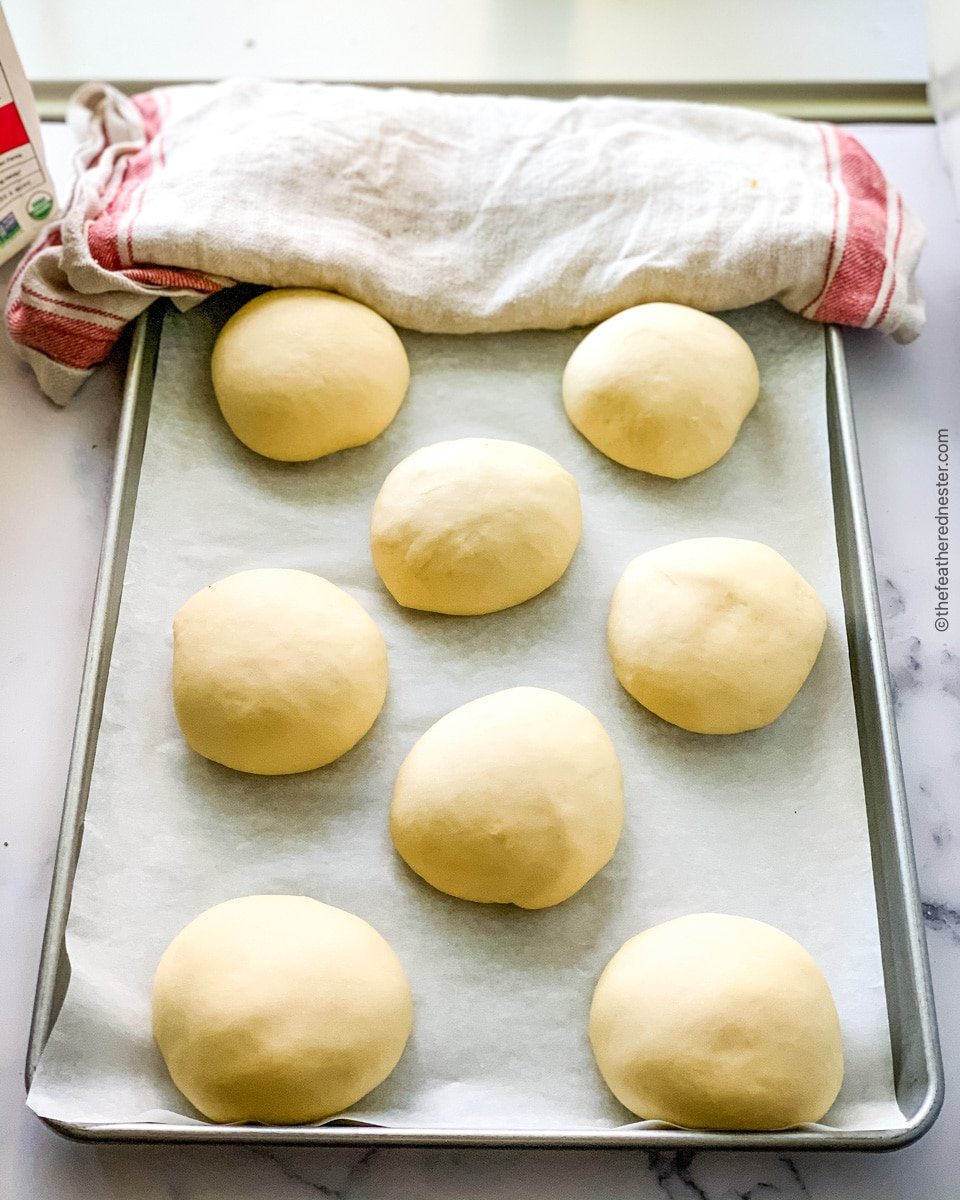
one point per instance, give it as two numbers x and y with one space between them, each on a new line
455 213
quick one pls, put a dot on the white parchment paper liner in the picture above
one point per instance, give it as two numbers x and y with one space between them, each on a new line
769 824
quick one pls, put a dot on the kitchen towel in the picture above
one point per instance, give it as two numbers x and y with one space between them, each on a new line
455 213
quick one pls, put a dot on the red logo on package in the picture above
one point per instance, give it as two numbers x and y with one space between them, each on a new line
12 132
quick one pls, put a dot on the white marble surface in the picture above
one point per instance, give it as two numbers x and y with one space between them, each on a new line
54 469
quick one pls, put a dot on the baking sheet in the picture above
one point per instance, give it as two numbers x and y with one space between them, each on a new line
769 824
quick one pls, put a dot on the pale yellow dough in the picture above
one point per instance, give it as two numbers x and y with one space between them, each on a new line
716 635
279 1010
515 798
474 526
276 671
661 388
717 1022
300 373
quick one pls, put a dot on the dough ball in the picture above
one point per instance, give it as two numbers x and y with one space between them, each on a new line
717 1022
661 388
299 373
474 526
516 798
276 671
715 635
279 1009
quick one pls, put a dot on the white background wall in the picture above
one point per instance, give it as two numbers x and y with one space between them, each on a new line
644 41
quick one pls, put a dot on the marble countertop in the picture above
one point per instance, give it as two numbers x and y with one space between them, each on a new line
54 476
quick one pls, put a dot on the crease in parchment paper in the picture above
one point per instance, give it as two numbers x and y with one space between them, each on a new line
769 824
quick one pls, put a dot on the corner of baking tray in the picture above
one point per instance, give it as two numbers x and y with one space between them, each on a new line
926 1114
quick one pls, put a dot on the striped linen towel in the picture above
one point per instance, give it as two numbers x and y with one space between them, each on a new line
455 214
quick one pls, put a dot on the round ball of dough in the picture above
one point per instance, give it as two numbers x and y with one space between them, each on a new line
516 798
299 373
661 388
715 635
279 1009
474 526
276 671
717 1022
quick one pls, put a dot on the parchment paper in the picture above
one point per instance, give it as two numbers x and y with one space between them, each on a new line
769 824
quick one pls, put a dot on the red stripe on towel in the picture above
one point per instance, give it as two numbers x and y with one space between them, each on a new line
67 340
114 253
103 232
84 308
172 279
893 273
854 289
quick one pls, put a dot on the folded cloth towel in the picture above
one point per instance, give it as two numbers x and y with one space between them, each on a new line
455 214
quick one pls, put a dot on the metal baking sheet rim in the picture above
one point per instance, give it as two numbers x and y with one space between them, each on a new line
916 1054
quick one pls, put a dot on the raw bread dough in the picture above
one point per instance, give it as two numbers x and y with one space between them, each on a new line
276 671
474 526
279 1009
716 635
661 388
717 1022
515 798
299 373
